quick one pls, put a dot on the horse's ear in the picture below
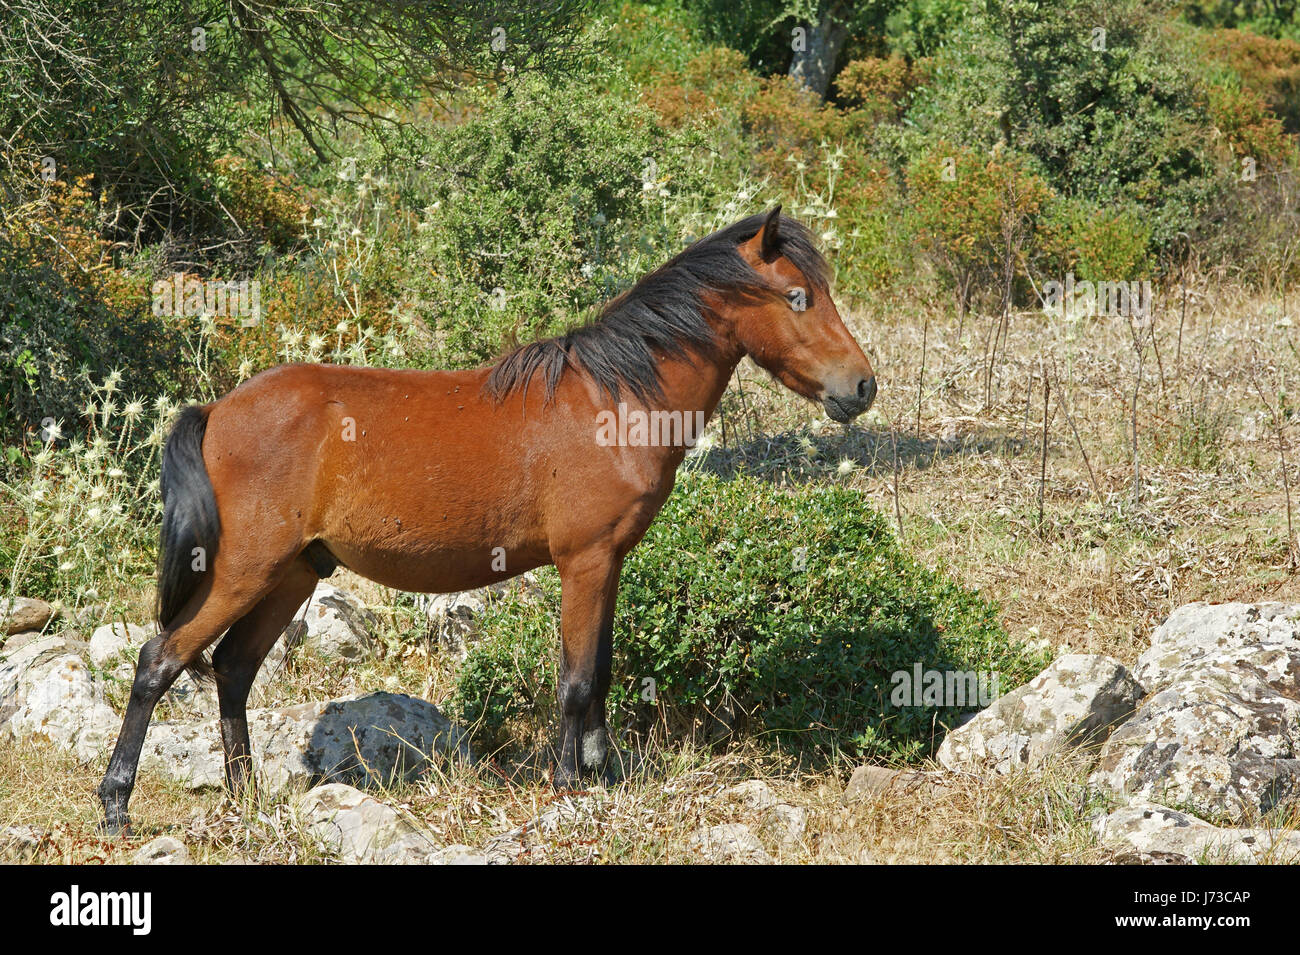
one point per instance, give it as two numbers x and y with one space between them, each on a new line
769 244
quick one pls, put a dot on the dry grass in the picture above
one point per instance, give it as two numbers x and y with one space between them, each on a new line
1099 572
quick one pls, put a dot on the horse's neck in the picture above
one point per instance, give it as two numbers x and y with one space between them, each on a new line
697 383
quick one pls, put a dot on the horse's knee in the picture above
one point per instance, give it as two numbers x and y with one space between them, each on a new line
575 697
155 670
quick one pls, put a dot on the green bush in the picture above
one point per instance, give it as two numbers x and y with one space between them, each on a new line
549 199
1121 117
1095 242
715 610
974 215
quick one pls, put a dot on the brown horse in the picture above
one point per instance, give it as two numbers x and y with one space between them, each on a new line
440 481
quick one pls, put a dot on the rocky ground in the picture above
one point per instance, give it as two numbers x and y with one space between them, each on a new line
1191 755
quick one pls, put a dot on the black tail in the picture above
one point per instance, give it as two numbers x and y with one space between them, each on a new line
190 524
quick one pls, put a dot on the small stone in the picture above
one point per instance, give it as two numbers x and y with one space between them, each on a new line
753 793
165 850
114 639
19 614
731 842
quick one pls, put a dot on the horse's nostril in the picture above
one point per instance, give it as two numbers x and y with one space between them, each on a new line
867 388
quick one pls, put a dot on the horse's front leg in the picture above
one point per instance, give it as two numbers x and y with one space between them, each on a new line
590 588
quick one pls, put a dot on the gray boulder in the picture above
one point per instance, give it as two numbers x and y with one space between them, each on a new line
1071 706
1220 732
57 699
363 740
113 640
454 618
334 625
1147 833
362 830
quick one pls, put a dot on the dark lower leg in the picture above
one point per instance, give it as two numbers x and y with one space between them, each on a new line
154 673
238 658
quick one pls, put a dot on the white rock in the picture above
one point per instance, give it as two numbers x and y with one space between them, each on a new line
1220 732
366 739
59 701
1071 705
165 850
788 823
753 793
361 829
1156 833
337 625
730 842
113 639
458 855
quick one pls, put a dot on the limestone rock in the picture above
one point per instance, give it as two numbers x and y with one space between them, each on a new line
1072 704
730 842
1220 732
334 624
18 614
165 850
753 793
1154 833
454 617
58 700
113 639
361 829
363 740
872 781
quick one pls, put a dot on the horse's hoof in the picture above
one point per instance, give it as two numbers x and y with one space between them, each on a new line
118 828
565 779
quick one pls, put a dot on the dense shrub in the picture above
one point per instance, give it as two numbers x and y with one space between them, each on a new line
1267 66
67 318
974 216
715 609
1119 118
546 201
1096 242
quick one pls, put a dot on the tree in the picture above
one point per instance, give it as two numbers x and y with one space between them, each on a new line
140 92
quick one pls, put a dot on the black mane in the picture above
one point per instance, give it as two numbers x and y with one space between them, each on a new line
664 312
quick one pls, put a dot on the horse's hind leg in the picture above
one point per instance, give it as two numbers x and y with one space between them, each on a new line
238 658
205 617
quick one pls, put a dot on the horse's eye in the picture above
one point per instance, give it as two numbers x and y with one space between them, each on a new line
798 299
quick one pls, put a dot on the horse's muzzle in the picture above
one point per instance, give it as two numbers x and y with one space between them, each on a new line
844 408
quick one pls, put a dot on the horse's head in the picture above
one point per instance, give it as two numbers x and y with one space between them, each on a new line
795 332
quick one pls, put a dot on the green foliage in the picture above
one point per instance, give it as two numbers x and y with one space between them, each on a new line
974 214
1270 18
1096 242
549 199
61 328
1119 118
782 613
918 28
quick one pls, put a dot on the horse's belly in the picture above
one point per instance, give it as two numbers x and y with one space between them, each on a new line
440 571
